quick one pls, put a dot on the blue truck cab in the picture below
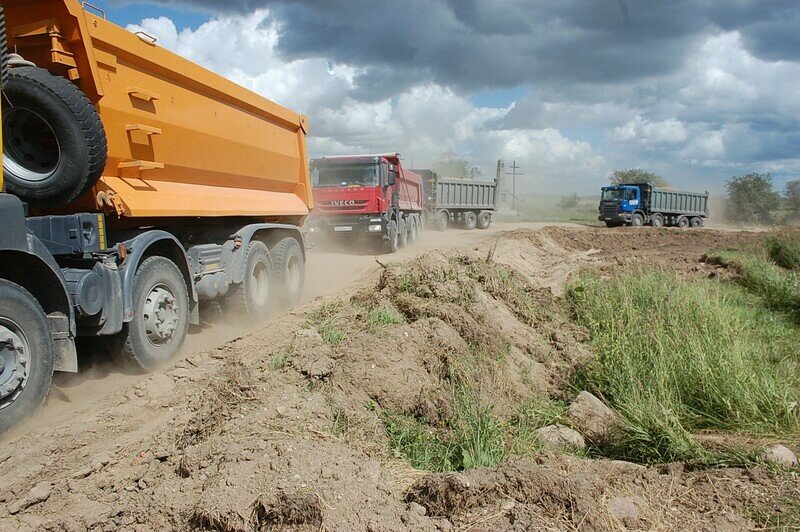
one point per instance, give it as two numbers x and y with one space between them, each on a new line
619 203
639 204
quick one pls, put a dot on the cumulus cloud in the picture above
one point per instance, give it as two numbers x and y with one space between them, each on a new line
421 121
690 89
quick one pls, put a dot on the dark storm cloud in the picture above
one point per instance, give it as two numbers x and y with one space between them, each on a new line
477 44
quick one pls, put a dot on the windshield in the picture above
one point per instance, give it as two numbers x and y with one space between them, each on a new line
617 194
345 175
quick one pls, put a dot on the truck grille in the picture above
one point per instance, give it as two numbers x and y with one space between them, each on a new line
329 206
608 209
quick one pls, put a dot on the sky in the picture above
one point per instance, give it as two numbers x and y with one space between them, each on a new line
697 91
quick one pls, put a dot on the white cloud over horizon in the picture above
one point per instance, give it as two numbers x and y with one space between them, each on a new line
720 111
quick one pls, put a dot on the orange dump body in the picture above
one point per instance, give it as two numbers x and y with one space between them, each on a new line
182 141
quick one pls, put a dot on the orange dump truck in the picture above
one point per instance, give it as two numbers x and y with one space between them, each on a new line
137 187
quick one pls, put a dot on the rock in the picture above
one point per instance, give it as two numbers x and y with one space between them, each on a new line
313 357
625 510
779 455
417 509
559 438
597 422
508 505
82 473
39 493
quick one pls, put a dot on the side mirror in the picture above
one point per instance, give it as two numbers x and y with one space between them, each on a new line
392 178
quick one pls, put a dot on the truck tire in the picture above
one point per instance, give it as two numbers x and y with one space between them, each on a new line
470 220
657 220
26 355
402 233
55 147
484 220
160 317
255 296
413 233
444 221
637 220
696 222
683 222
290 271
392 237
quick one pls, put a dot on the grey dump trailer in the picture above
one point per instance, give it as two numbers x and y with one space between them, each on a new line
640 204
448 202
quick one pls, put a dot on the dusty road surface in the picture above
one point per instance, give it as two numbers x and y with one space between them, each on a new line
329 270
289 425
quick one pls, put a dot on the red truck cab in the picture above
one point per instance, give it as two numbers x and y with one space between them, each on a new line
367 196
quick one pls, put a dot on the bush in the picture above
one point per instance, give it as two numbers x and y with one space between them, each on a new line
784 248
676 357
751 198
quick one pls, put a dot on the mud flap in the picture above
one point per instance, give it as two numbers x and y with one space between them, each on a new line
65 356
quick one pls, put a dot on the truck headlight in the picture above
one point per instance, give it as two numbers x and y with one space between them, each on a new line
374 228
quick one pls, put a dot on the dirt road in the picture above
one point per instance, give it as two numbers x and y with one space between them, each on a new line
328 270
285 426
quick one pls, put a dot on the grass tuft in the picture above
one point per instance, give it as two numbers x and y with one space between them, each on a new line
330 323
385 315
676 357
783 248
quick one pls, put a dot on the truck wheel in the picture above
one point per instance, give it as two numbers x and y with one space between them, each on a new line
290 271
470 221
444 220
26 355
402 233
254 297
413 232
683 222
696 222
391 233
484 220
160 317
637 220
55 146
657 221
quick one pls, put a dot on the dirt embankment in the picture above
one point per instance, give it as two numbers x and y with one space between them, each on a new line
287 427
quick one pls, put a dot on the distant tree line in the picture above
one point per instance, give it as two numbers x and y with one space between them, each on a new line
751 198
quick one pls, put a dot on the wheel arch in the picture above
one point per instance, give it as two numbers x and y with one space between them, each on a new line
269 234
36 271
39 276
155 243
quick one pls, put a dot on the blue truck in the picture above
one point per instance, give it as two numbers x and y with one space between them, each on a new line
638 204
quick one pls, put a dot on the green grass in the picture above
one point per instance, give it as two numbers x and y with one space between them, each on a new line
473 438
330 323
675 357
279 360
385 315
778 287
783 248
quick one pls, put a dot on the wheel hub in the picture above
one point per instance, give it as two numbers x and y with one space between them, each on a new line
14 364
31 147
259 284
294 274
161 315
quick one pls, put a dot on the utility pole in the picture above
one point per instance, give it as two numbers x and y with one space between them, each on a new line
514 175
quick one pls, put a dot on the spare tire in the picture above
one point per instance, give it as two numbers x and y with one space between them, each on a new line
54 144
